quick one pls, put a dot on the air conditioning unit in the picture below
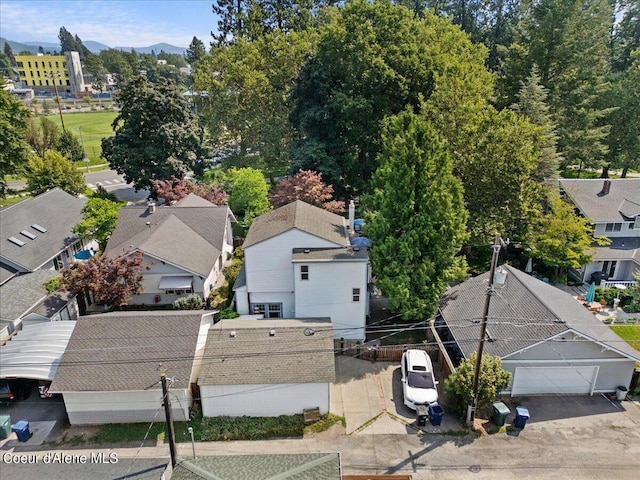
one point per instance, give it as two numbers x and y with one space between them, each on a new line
156 299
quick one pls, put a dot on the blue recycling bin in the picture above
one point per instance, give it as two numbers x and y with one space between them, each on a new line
22 430
436 412
522 415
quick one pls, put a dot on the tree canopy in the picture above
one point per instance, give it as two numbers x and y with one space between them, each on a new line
100 217
51 171
307 186
417 226
156 134
14 150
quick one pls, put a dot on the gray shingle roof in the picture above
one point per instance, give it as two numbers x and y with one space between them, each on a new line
319 254
585 194
302 216
254 357
23 292
123 350
620 248
188 236
523 312
298 466
55 210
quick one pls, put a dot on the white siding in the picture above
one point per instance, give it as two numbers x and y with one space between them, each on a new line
151 280
626 230
95 408
329 293
268 264
263 400
242 301
285 298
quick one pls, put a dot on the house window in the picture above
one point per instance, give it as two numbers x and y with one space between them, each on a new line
613 227
609 267
269 310
179 291
355 294
58 264
304 272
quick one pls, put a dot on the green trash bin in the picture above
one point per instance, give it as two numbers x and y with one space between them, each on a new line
500 413
5 426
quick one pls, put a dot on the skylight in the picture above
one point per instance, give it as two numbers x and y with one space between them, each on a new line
27 234
39 228
15 241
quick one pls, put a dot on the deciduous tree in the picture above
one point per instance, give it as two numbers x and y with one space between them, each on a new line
14 150
458 386
113 281
156 134
99 220
247 193
175 189
69 145
42 137
53 170
417 226
306 185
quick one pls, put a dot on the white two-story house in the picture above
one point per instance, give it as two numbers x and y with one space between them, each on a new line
613 207
299 264
185 247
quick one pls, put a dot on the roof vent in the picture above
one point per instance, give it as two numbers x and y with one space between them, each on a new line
475 320
356 249
27 234
306 250
37 227
232 334
15 241
272 333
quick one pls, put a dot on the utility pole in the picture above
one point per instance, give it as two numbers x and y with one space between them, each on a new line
169 419
471 410
55 87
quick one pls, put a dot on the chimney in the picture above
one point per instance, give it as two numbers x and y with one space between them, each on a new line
151 207
352 214
606 186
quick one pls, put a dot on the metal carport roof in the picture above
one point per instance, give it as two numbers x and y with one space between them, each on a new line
35 351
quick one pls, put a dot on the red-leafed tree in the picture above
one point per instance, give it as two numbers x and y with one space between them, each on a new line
175 189
111 280
306 185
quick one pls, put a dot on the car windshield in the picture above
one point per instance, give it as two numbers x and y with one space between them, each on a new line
420 380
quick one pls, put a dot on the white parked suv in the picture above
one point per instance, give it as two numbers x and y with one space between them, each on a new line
418 382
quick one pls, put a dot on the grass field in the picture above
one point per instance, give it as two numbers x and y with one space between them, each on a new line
95 126
631 333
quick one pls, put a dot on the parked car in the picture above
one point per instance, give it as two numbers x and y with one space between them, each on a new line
418 382
6 395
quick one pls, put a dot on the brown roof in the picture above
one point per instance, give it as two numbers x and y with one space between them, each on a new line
300 351
128 351
301 216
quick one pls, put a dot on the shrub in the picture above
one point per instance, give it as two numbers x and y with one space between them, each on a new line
192 302
53 284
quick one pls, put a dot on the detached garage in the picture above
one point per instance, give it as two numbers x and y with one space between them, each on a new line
267 368
549 342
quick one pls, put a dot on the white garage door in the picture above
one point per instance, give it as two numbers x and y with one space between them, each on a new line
554 380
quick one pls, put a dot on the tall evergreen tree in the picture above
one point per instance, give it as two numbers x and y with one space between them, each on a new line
532 104
417 226
8 51
67 42
196 52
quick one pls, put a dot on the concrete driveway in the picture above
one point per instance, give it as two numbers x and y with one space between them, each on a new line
369 396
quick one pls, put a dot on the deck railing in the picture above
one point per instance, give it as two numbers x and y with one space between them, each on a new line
615 283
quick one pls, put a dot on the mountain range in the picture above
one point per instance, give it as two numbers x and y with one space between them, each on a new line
94 47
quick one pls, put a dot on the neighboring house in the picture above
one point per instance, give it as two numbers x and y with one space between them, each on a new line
266 368
185 247
549 342
36 233
294 466
25 300
613 207
299 263
110 371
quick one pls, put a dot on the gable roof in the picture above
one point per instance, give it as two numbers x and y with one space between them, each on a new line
24 292
523 312
623 199
188 235
252 356
301 216
123 351
620 248
292 466
56 211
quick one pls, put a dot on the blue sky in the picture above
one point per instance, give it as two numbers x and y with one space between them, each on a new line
127 23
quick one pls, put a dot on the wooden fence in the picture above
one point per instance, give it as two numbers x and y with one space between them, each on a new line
374 352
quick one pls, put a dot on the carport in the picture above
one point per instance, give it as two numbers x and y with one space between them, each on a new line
34 353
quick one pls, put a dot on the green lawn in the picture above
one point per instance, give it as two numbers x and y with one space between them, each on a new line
631 333
95 126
